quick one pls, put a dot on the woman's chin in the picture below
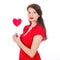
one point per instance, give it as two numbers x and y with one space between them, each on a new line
31 20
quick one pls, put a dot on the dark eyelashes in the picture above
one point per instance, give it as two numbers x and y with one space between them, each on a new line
34 12
30 12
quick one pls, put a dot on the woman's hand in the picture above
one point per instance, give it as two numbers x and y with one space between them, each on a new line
16 38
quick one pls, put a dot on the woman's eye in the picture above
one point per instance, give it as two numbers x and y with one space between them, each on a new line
34 12
29 12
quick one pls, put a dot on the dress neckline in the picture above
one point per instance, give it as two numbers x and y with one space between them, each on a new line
30 30
33 26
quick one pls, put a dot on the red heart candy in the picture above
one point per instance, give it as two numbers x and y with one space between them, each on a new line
17 22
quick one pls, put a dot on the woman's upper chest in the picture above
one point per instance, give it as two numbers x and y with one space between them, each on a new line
28 35
28 31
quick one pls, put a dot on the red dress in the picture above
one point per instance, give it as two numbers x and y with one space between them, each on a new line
28 39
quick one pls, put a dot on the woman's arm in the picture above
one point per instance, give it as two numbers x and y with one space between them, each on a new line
35 44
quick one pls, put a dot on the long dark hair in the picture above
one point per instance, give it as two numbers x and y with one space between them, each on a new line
40 19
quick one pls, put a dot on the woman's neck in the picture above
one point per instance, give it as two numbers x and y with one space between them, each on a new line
33 24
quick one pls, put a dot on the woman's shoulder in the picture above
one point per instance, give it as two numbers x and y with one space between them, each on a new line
39 27
40 30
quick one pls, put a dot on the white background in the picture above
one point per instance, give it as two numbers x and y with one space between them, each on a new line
9 9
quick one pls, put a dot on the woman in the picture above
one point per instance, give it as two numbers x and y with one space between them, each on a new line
33 34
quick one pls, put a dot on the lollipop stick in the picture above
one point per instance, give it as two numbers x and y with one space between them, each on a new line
16 29
16 32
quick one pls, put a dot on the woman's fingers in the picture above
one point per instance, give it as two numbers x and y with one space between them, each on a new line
16 34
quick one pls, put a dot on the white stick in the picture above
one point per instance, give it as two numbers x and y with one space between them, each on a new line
16 31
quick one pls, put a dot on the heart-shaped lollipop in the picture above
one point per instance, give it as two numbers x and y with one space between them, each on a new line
17 22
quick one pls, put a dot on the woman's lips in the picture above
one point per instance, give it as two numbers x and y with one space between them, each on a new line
31 18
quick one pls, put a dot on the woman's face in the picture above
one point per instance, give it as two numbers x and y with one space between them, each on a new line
32 15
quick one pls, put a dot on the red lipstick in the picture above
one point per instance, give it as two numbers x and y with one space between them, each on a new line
31 18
